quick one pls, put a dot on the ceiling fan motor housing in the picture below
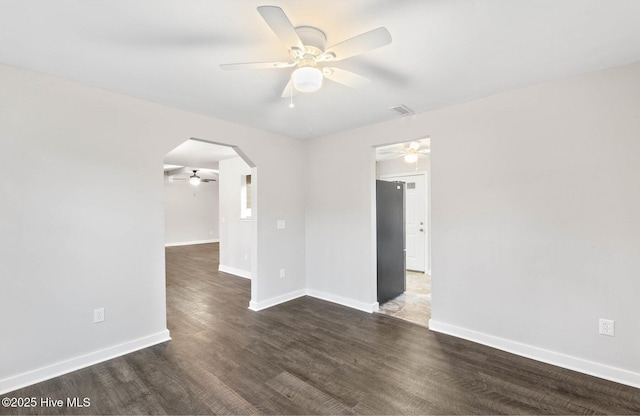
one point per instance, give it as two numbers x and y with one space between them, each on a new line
308 77
313 39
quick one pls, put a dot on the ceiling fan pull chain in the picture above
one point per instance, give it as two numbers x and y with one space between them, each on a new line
291 105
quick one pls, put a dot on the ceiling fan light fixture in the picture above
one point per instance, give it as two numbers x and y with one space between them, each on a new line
411 157
307 79
194 179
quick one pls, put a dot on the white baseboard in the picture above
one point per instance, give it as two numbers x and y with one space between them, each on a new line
258 306
54 370
190 243
362 306
580 365
234 271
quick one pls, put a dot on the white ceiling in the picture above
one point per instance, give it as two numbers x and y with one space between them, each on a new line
194 154
443 52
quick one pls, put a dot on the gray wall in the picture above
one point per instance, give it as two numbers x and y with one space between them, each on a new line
535 204
82 220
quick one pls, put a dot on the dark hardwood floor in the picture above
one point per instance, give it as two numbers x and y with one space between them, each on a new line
308 356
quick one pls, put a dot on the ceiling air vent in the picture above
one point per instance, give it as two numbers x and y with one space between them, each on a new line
402 109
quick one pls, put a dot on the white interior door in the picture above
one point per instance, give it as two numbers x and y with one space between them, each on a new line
415 218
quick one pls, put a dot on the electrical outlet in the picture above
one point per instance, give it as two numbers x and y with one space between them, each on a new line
282 273
607 327
280 225
98 315
246 257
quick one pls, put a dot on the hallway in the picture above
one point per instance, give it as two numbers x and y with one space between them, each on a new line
414 305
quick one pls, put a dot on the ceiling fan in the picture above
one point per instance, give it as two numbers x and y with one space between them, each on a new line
194 179
306 46
410 151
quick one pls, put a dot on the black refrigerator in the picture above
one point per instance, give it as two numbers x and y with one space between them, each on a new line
390 229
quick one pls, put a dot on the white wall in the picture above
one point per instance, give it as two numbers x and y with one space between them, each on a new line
399 166
82 227
190 212
235 233
535 204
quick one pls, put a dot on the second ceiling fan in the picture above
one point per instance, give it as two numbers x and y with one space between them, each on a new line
411 151
307 52
194 179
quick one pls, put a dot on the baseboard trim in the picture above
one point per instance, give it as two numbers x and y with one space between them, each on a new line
362 306
258 306
580 365
355 304
234 271
190 243
54 370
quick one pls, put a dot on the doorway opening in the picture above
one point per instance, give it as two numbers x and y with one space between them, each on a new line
210 208
407 165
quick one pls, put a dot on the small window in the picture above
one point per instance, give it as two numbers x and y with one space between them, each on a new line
245 196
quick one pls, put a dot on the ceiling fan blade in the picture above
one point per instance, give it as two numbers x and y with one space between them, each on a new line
207 180
388 156
281 26
257 65
424 151
388 152
359 44
289 91
345 77
176 171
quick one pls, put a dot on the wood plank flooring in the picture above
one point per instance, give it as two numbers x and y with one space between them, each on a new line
308 356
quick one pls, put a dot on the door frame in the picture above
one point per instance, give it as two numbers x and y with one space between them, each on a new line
254 214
